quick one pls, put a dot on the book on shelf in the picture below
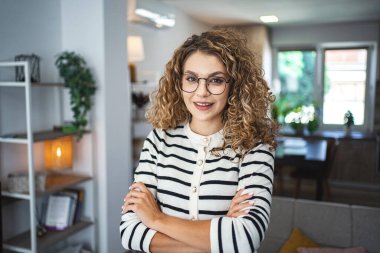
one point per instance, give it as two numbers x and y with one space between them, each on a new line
64 209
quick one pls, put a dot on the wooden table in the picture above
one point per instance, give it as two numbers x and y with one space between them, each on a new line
300 152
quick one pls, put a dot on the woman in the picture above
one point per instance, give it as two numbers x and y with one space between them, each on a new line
204 181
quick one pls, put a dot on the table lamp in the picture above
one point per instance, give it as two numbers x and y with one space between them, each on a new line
135 54
59 153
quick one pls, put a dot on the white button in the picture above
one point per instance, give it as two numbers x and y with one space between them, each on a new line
194 189
205 139
200 162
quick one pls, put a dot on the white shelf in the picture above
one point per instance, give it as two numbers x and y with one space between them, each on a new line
29 241
12 84
14 140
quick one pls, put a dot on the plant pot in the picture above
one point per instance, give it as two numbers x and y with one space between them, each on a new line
69 129
347 130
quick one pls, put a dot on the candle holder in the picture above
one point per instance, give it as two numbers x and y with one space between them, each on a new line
59 153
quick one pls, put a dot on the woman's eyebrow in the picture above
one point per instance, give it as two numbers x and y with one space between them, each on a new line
212 74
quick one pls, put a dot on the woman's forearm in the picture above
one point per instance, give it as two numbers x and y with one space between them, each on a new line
193 233
162 243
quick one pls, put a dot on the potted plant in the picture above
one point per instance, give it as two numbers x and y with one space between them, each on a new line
348 121
80 82
303 117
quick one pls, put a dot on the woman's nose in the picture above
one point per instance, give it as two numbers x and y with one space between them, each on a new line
202 88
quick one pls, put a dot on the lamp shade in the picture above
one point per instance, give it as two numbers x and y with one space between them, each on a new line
135 49
59 153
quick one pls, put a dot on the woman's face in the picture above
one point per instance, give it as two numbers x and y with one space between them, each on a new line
206 108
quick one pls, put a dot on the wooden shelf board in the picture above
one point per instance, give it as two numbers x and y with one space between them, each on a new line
22 241
57 181
54 182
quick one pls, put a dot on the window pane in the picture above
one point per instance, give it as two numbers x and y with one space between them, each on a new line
344 85
296 71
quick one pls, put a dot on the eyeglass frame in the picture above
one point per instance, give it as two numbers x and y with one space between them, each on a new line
199 78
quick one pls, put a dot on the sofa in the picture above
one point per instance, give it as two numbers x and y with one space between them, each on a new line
328 224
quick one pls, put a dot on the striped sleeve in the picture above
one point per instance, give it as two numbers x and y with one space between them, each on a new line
134 234
245 233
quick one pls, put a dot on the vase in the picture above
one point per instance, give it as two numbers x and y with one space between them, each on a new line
347 130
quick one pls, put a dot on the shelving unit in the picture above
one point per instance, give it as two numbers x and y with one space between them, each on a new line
28 241
140 128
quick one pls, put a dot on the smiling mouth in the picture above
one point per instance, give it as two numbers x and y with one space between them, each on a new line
202 106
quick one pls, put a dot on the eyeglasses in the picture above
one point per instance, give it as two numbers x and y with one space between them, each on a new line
216 85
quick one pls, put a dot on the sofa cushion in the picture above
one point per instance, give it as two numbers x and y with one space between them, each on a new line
331 250
271 245
297 239
281 221
327 223
366 227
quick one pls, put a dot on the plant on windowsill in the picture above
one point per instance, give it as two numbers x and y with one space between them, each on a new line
302 118
80 82
348 122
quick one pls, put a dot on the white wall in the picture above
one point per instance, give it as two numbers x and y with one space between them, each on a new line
97 29
159 44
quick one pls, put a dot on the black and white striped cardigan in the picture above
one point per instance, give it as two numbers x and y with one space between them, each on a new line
190 182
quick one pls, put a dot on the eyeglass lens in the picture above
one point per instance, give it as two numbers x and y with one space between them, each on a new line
215 84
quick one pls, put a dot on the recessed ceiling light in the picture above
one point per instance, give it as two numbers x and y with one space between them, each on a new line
269 19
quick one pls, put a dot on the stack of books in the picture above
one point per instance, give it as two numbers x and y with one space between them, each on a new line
64 209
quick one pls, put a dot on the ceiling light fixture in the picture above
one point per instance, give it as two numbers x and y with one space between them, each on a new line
159 20
269 19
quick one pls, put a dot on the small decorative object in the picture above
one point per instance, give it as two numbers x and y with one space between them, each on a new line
59 153
348 121
140 100
78 78
135 54
34 63
19 181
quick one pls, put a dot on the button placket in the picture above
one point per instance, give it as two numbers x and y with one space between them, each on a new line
194 191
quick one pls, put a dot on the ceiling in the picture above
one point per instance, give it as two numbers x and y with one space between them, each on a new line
289 12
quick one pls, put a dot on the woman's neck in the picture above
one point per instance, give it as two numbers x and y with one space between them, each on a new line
205 128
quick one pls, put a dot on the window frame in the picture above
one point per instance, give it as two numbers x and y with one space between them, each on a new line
369 105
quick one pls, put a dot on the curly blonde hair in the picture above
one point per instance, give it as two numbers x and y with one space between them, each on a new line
246 118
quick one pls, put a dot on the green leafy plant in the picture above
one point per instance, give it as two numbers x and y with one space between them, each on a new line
349 119
78 78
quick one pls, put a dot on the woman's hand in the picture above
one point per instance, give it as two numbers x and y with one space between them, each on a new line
238 203
141 201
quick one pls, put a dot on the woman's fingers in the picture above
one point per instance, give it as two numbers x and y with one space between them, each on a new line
243 197
138 186
136 194
241 206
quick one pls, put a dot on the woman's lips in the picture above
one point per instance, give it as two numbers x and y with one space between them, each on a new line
203 106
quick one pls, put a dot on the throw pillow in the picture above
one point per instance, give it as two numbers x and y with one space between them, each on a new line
331 250
297 239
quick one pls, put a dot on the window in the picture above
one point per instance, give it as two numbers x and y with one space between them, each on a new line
345 75
333 78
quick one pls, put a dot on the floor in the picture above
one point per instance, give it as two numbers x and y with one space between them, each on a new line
340 193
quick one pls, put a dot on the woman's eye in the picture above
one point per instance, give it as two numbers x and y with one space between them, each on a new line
191 79
216 80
